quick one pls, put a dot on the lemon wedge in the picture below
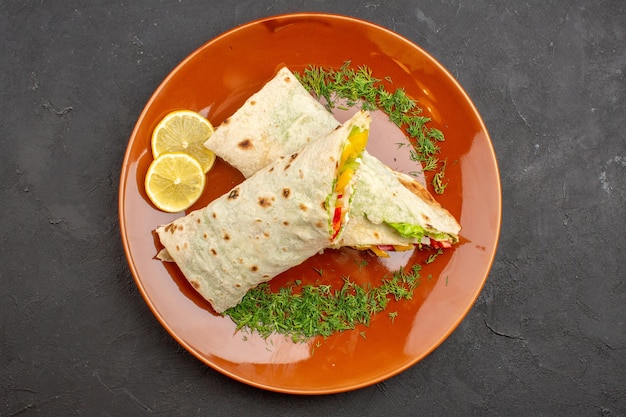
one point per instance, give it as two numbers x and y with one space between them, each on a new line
184 131
174 181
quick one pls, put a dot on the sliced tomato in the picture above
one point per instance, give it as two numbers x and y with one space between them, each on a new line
435 244
336 221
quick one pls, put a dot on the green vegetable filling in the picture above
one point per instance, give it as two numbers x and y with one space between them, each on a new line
418 232
409 230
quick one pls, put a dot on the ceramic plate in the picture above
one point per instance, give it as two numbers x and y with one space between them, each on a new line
215 80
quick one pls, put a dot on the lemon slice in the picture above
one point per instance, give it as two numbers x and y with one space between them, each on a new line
184 131
174 181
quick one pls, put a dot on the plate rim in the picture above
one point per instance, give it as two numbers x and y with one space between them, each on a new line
124 176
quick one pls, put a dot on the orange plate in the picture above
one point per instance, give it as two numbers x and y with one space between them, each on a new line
215 80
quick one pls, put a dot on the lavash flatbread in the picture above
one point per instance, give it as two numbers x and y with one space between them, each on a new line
278 120
274 220
283 117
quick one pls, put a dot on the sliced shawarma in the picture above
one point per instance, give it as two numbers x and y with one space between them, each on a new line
392 211
273 221
413 217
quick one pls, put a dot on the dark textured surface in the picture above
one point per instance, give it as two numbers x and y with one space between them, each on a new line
546 337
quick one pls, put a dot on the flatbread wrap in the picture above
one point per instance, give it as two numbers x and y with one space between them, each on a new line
391 211
273 221
279 119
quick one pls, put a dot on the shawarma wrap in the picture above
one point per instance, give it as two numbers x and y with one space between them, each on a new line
274 220
391 210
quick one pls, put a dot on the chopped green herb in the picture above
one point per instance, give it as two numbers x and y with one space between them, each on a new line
319 310
432 257
361 263
319 271
393 316
358 87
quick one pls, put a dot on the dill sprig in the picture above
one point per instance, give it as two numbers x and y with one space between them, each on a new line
358 87
433 256
318 310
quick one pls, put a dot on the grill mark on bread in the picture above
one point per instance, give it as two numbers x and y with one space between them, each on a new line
231 196
245 144
265 202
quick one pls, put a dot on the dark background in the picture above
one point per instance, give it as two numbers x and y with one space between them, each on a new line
547 335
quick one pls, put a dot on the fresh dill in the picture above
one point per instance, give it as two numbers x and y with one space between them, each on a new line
318 310
358 87
393 316
361 264
433 256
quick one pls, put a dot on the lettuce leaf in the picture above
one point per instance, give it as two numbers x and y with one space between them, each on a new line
416 231
409 230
